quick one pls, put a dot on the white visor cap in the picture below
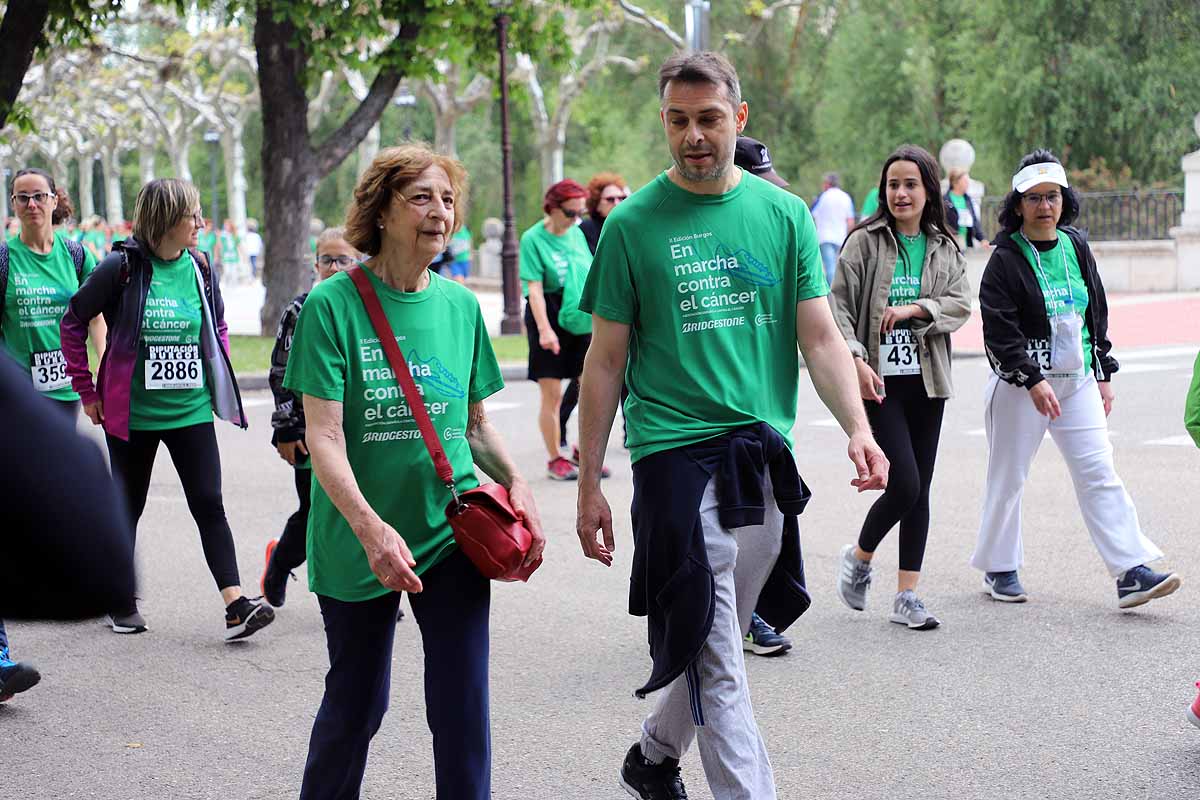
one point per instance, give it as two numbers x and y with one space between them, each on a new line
1034 174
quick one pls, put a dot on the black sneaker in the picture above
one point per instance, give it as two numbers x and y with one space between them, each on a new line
762 640
245 616
15 676
651 781
1142 584
274 580
129 621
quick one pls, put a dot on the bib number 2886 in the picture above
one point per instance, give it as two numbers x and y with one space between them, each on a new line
174 367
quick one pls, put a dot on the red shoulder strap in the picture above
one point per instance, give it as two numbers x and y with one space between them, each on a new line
412 395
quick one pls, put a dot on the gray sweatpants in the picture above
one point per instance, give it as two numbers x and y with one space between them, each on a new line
710 702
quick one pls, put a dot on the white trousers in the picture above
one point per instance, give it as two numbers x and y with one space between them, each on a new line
710 702
1014 433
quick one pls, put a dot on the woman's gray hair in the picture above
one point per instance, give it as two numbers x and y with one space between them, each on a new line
160 205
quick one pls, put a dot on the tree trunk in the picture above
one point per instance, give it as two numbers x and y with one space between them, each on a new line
179 148
291 164
552 159
369 148
20 31
235 175
146 164
113 208
444 137
87 190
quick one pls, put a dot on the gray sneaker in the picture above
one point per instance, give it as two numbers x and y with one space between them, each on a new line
909 610
854 578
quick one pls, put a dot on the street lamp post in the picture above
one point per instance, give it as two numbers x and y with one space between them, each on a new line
213 138
511 322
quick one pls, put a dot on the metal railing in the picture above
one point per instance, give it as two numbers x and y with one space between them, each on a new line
1113 216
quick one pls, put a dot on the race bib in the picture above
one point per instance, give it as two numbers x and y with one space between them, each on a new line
49 370
174 366
965 218
899 353
1041 352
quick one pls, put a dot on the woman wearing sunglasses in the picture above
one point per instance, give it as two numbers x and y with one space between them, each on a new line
165 375
1045 329
605 191
549 251
334 255
39 271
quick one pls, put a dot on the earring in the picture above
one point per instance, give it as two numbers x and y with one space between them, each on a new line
381 226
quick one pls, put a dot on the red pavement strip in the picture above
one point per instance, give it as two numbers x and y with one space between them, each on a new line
1134 320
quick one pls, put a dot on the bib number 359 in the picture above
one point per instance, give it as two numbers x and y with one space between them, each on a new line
49 370
898 354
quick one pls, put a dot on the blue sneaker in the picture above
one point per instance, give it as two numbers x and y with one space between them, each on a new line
1004 586
15 676
1141 585
762 640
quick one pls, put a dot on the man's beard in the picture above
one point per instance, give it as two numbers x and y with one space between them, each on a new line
718 170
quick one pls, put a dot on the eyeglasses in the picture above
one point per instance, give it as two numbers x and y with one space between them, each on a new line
342 262
196 217
569 213
1035 200
41 198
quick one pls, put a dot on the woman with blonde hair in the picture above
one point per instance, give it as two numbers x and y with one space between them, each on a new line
164 373
377 525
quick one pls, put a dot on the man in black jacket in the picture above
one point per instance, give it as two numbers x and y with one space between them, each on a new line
705 281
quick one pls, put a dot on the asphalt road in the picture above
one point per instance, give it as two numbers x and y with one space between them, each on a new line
1064 697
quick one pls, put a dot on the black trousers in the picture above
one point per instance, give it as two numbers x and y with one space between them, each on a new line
452 613
907 426
291 550
194 452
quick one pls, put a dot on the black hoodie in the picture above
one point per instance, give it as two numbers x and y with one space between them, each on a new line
1014 311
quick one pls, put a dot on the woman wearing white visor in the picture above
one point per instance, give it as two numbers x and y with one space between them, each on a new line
1045 328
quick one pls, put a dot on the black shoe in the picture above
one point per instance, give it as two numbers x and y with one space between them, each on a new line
15 676
244 616
128 621
274 580
651 781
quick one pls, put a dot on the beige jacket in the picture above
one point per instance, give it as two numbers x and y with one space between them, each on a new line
860 295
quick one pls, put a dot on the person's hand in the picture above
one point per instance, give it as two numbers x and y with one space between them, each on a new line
870 385
521 498
548 340
389 556
95 412
1044 400
894 314
1106 394
291 451
869 461
594 514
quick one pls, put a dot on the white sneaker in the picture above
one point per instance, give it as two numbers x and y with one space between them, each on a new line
909 610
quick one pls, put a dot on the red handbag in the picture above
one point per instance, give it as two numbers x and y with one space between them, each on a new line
485 525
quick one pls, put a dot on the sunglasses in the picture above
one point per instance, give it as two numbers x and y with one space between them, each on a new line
569 213
614 198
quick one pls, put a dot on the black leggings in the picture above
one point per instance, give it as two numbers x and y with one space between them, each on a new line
570 399
290 552
907 426
194 452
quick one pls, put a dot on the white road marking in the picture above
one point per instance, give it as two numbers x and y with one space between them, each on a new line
499 405
1133 369
1157 352
1182 440
825 423
254 402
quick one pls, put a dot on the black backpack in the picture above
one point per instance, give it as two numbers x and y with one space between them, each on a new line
73 247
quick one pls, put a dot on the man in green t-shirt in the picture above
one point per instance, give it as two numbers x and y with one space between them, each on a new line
704 282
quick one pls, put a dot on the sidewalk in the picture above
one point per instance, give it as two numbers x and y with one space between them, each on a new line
1134 320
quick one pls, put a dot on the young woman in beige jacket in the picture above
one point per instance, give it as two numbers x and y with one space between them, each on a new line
900 290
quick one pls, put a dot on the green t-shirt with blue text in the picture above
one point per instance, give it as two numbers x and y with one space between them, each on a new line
336 355
40 286
910 263
708 285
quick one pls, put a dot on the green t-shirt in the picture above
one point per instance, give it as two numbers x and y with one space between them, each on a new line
1062 286
870 204
570 317
709 285
39 288
336 356
229 245
546 257
960 204
910 262
206 241
95 238
169 386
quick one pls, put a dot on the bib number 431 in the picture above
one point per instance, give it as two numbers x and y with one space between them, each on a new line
898 354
